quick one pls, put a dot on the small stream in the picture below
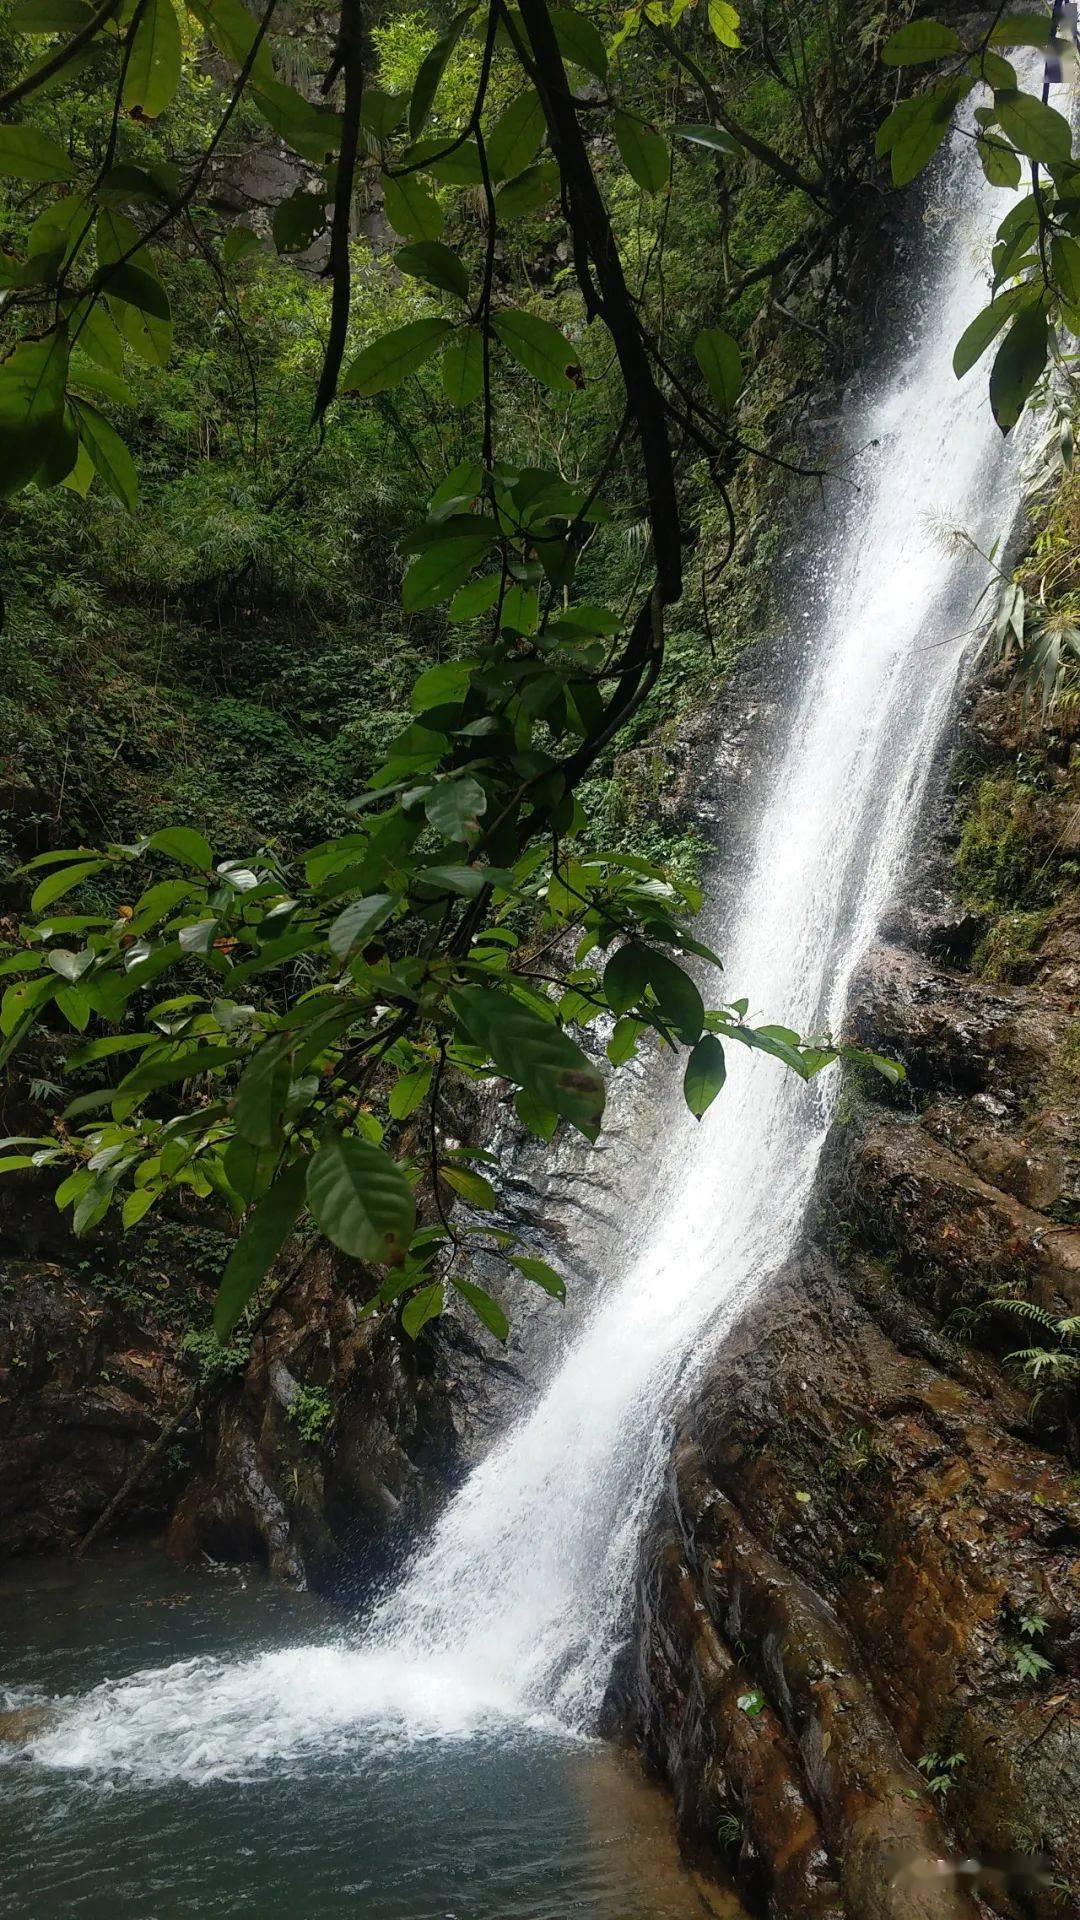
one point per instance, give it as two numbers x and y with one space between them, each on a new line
489 1828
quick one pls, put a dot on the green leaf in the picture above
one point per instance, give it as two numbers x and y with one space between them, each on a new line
534 1052
485 1308
985 327
411 210
920 40
363 917
382 112
424 1305
579 41
516 135
28 154
447 682
721 362
527 193
361 1200
391 358
152 74
1022 30
446 563
454 163
262 1093
463 367
626 977
147 334
33 380
312 131
111 459
262 1239
298 221
680 1004
429 260
1020 362
184 845
232 30
432 68
539 1271
137 1204
1034 128
644 151
714 138
999 162
540 348
471 1185
705 1074
916 128
50 16
57 884
724 21
410 1091
1065 266
534 1115
454 807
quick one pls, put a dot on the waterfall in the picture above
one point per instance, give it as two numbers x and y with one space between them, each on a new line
512 1611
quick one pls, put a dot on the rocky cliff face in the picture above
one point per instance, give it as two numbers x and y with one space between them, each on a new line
858 1618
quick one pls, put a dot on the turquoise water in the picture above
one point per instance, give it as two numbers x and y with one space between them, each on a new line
516 1826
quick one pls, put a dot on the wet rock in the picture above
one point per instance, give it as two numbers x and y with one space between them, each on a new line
20 1724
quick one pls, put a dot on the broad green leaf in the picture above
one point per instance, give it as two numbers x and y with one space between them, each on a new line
516 135
463 367
361 1200
680 1004
171 1068
985 327
111 459
313 131
409 1092
382 112
432 68
424 1305
147 334
534 1115
262 1239
454 807
152 74
529 192
532 1051
434 574
1034 128
579 41
363 917
724 21
705 1074
714 138
1065 264
391 358
1022 30
644 151
540 348
440 685
57 884
626 977
453 163
33 380
721 362
232 29
137 1204
429 260
298 221
999 161
539 1271
920 40
50 16
916 128
262 1093
133 285
184 845
26 153
1020 362
411 210
485 1308
475 599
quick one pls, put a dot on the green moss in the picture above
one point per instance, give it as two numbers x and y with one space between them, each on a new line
1001 862
1002 954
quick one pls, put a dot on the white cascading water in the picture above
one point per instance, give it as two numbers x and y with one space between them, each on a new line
514 1609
